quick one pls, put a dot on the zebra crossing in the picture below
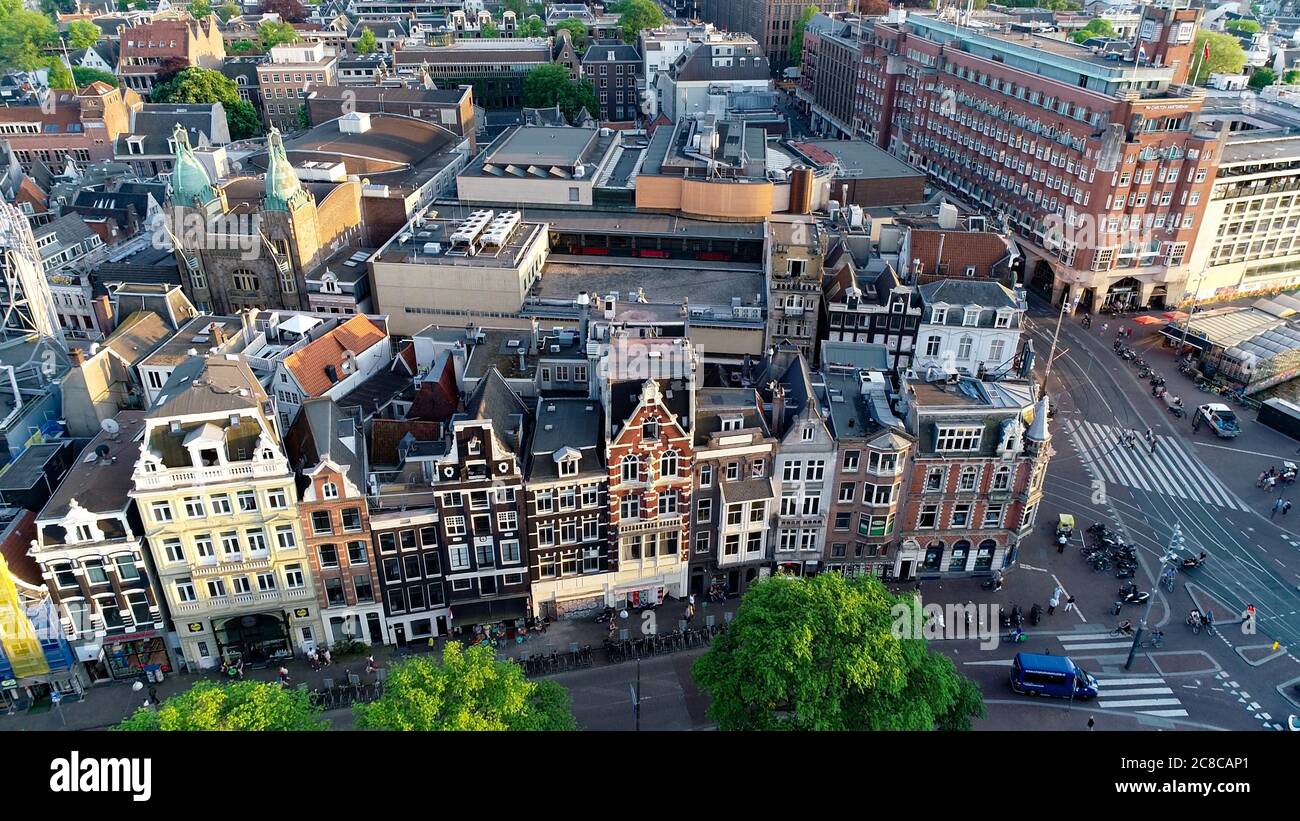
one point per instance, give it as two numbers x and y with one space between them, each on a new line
1144 695
1171 470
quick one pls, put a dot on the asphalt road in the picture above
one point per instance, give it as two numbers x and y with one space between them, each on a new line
1230 679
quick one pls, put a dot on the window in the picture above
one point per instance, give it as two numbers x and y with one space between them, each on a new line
650 429
702 541
704 511
330 490
507 520
961 515
1002 478
938 316
458 557
173 551
970 316
929 516
630 507
275 499
733 471
932 344
590 496
791 471
735 514
997 351
432 565
162 511
334 592
247 500
809 433
221 504
351 519
993 516
955 437
668 463
510 552
569 467
293 576
230 547
429 536
706 475
964 347
194 507
632 469
668 503
967 479
320 522
545 501
546 534
329 555
731 545
816 470
284 538
203 547
216 588
126 568
850 463
757 469
241 585
455 526
185 591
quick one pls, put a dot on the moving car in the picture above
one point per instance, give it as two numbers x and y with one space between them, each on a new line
1057 676
1220 418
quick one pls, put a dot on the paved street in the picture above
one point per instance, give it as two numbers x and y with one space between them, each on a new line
1226 680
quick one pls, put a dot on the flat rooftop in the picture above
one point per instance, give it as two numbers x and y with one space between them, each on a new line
702 283
432 243
973 392
543 145
632 223
1264 147
194 334
857 159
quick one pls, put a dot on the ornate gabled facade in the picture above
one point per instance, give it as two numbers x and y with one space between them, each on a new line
648 397
220 511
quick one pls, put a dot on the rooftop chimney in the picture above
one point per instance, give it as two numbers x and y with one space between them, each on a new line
78 356
778 408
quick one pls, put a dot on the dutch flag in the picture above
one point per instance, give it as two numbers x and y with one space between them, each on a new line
1142 53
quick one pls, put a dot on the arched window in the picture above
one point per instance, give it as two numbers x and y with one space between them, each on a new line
330 490
668 463
960 552
267 453
1002 478
969 478
631 469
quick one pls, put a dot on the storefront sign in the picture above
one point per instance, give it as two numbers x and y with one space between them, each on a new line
9 682
196 627
302 612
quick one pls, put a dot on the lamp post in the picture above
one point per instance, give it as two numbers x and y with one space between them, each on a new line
635 689
1066 302
1191 312
1175 543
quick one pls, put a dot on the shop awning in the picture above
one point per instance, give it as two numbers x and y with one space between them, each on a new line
1175 316
1175 333
1147 320
489 612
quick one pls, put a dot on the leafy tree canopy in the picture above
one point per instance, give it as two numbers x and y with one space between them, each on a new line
240 705
82 34
821 653
290 11
577 30
367 43
469 689
200 9
489 30
1262 77
638 15
1097 27
531 28
547 85
1243 26
276 34
85 76
202 85
1226 55
227 10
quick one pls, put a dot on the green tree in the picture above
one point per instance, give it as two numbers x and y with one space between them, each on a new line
276 34
52 8
366 43
85 76
200 9
227 10
123 5
304 120
1244 26
468 690
1262 77
532 28
202 85
795 52
1291 77
547 85
240 705
825 653
1097 27
489 30
242 47
638 15
60 77
82 34
23 36
577 31
1226 55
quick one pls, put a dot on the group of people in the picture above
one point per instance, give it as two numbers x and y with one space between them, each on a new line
1270 478
1129 438
235 670
1201 619
1280 506
319 659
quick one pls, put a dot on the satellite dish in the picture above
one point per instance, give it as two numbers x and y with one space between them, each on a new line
110 427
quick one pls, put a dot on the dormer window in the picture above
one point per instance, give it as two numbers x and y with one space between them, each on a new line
1004 319
971 316
569 467
84 533
330 490
474 446
650 429
939 315
268 453
732 423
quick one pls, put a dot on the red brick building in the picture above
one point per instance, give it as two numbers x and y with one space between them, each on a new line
147 49
1097 163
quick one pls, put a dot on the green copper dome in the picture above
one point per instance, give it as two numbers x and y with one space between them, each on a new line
191 185
282 186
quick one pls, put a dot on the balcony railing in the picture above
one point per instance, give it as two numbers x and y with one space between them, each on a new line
661 523
212 474
245 566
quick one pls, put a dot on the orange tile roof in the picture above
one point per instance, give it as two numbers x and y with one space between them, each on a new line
308 364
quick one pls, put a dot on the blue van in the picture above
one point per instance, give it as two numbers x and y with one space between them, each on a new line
1057 676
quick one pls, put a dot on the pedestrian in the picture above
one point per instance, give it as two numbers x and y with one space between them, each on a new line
1153 447
1105 326
690 613
1209 621
314 658
153 696
1286 507
691 600
328 659
1069 604
1270 483
1277 507
1053 602
1092 722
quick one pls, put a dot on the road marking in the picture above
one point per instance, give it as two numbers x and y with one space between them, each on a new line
1097 646
1163 713
1142 702
1236 450
1129 681
1140 691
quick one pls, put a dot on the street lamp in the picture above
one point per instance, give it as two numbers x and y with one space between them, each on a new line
636 690
1175 544
1066 303
1191 312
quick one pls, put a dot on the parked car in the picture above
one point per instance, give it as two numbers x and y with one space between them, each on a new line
1220 418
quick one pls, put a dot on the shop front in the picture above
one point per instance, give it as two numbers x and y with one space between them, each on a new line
257 639
126 657
492 621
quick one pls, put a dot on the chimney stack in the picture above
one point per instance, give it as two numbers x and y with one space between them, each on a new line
778 408
218 333
78 356
103 308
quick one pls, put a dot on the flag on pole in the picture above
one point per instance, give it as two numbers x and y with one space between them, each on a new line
1142 53
1205 52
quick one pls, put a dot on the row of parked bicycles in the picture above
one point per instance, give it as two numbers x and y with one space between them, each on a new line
1109 550
336 695
619 650
542 664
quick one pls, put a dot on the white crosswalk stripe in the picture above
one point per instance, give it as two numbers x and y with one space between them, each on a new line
1171 470
1145 695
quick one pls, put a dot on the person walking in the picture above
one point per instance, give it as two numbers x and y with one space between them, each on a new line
1069 604
327 656
1153 446
1277 507
1286 507
1105 326
1092 722
1053 602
